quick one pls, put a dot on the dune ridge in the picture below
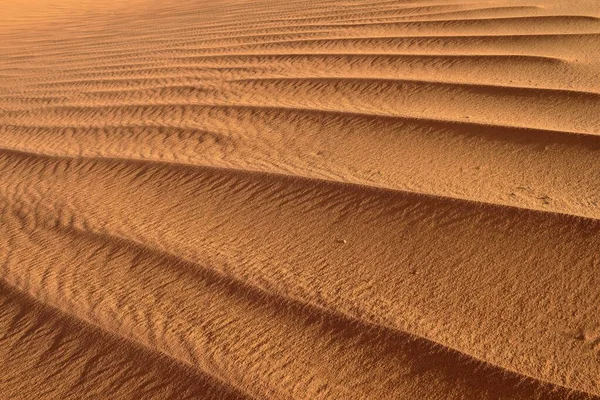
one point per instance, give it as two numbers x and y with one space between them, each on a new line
300 200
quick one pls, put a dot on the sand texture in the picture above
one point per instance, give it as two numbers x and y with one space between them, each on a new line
336 199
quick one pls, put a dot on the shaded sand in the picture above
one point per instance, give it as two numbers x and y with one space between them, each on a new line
205 199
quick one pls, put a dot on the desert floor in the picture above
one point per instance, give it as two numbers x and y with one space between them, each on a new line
336 199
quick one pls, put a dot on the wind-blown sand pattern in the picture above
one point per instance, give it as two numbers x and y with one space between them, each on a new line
233 199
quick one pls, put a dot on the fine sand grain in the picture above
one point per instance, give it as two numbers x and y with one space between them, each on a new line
261 199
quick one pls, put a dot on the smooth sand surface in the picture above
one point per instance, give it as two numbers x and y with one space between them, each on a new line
260 199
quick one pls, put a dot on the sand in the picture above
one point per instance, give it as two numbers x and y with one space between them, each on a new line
233 199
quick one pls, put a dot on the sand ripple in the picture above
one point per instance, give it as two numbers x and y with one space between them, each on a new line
300 200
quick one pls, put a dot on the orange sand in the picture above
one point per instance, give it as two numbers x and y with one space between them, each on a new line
209 199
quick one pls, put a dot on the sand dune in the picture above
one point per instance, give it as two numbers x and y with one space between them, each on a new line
300 200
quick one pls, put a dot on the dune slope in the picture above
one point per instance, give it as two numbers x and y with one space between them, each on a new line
300 200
